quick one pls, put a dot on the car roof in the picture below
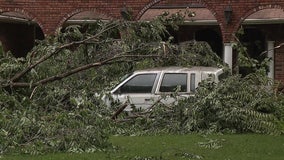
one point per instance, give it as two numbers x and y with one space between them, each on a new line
181 69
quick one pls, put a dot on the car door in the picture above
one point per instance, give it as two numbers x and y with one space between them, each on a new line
171 84
138 90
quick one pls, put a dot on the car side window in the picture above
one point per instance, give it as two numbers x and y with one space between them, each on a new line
171 81
142 83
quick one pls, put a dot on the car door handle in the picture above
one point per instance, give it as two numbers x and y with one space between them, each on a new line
147 99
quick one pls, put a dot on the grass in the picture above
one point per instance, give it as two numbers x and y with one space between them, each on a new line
181 147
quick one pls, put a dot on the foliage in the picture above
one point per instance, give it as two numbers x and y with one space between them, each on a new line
48 99
45 124
235 105
248 103
245 63
198 54
124 44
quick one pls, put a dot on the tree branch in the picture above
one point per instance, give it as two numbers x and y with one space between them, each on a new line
76 70
276 47
57 50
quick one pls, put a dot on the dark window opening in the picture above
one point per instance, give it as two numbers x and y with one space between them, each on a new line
254 40
212 38
210 35
19 38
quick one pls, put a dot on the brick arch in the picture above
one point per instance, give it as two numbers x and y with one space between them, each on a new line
217 11
146 7
258 8
207 6
18 10
28 30
24 12
252 11
154 2
78 11
218 17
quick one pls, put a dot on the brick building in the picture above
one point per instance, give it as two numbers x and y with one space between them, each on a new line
215 21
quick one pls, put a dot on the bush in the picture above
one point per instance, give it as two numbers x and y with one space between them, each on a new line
52 122
235 105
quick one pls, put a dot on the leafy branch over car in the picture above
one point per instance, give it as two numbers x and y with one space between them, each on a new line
144 89
48 99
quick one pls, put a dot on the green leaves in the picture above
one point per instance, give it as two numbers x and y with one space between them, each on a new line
48 100
30 128
234 105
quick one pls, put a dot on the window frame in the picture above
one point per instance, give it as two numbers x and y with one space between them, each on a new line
118 88
192 82
161 82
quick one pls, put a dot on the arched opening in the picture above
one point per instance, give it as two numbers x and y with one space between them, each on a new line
200 26
253 40
263 30
18 33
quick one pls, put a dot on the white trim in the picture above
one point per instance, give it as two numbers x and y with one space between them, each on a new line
228 54
270 54
264 21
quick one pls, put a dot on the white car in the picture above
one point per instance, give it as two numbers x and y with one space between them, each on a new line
143 88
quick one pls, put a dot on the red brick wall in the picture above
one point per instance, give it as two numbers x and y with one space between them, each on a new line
51 14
